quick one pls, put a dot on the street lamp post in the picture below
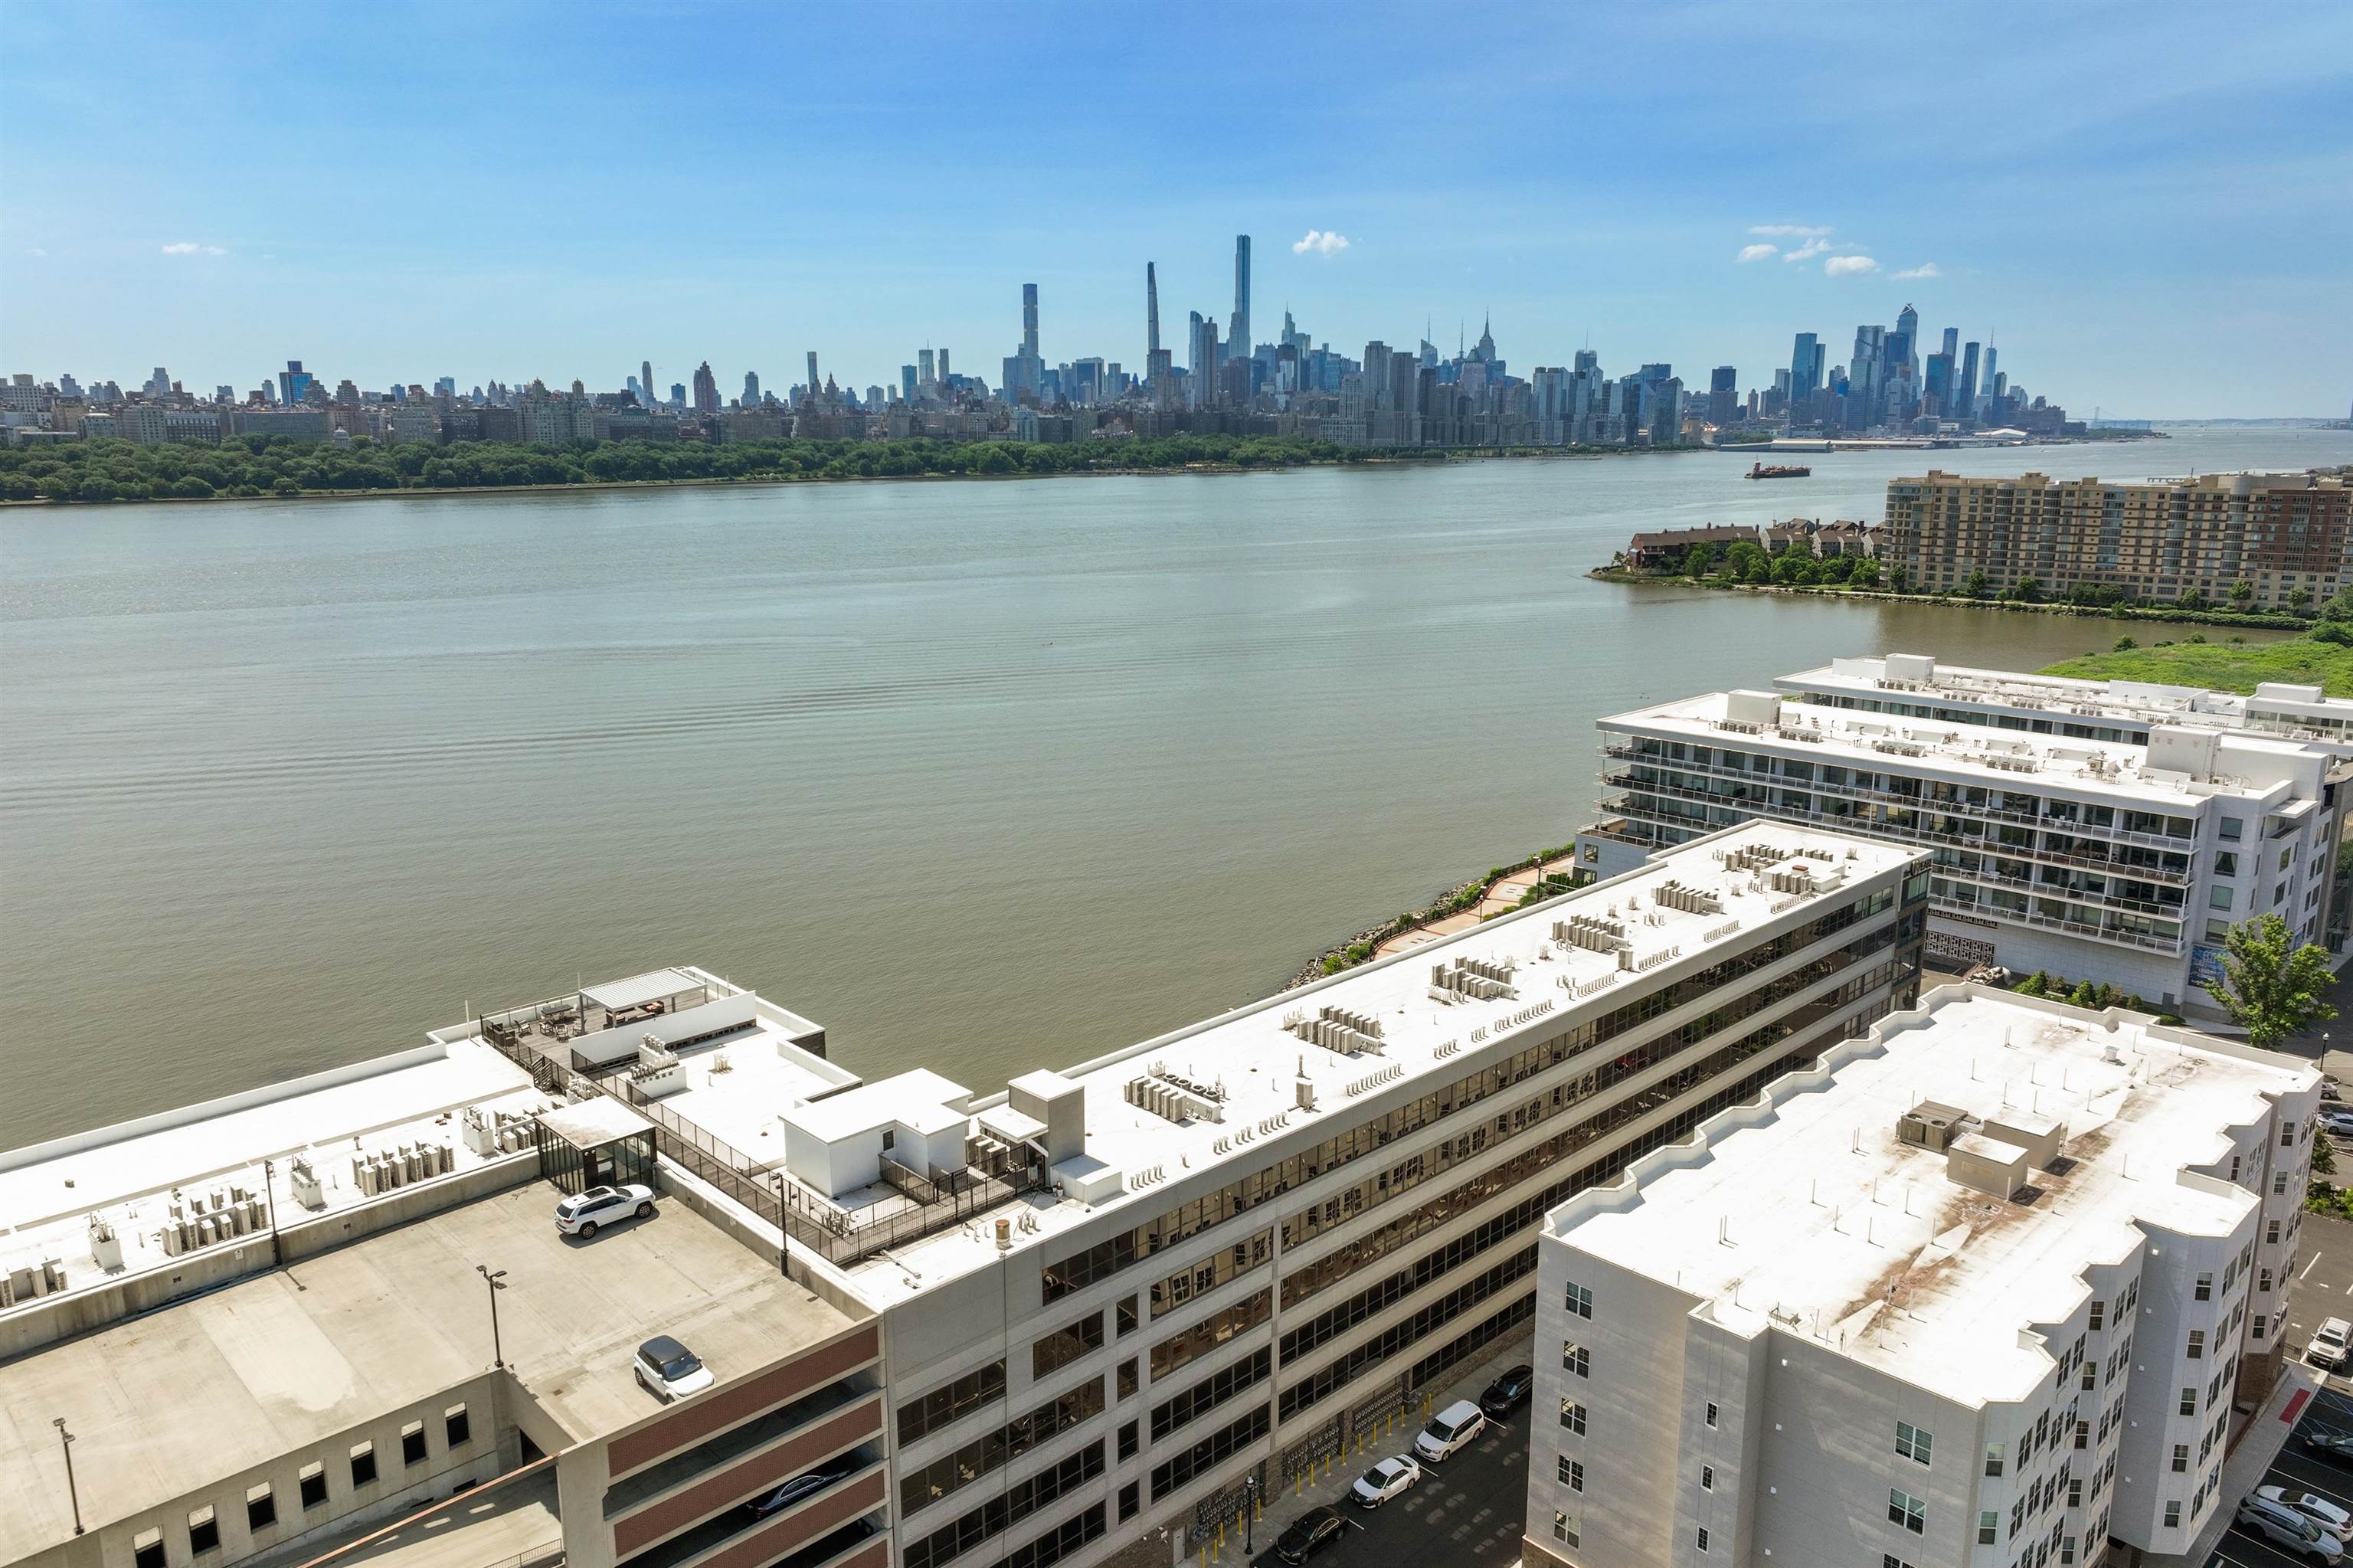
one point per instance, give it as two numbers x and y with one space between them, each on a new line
491 1278
1249 1513
73 1495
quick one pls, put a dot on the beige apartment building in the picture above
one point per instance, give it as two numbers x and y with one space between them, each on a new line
2158 540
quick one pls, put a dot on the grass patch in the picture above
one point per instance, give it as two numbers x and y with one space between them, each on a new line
2224 667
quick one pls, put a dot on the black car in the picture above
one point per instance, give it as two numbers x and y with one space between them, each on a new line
2337 1446
1508 1393
1309 1535
800 1488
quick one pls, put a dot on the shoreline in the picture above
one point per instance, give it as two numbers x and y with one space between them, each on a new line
2240 621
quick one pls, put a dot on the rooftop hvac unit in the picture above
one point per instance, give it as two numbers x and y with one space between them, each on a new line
1931 1125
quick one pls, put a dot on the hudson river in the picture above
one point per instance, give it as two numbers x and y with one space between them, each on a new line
983 777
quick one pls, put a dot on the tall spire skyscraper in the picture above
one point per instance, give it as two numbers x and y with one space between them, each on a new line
646 382
1238 331
1030 320
1151 311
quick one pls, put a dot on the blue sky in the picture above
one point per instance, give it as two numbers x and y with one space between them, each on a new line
2150 208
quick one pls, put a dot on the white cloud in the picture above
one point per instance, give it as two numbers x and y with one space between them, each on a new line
1850 265
1789 230
1926 269
1811 249
35 250
190 248
1320 242
1758 252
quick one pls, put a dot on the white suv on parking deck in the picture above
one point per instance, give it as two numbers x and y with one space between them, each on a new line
1452 1429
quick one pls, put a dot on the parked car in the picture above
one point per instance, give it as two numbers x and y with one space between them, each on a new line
1455 1428
2320 1510
668 1370
2283 1526
801 1488
1310 1533
2339 1122
2337 1446
1508 1392
2330 1343
580 1214
1385 1480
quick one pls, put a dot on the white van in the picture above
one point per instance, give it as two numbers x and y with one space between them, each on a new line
1456 1427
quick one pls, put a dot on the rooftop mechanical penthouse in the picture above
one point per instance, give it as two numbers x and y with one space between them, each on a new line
1982 1286
1099 1299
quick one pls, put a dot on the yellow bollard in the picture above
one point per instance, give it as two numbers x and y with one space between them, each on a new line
1259 1504
1299 1484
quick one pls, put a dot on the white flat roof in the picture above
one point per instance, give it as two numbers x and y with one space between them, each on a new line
920 1098
1816 1212
1812 732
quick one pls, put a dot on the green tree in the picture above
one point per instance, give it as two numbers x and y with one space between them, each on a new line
1978 585
2026 590
2271 988
2126 645
1899 580
2193 599
2299 598
2242 594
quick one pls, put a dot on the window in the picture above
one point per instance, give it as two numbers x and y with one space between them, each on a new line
2083 1435
1209 1393
1218 1329
1130 1439
1128 1374
2232 827
1988 1527
1572 1474
1123 1316
1572 1416
2188 1402
1907 1510
1994 1453
1564 1528
2099 1315
2197 1344
1889 1560
260 1506
923 1485
1707 1478
1574 1358
2257 1332
1066 1344
457 1428
1130 1498
2180 1457
2218 897
1912 1442
412 1442
1580 1301
1710 1412
147 1548
2202 1288
363 1465
1703 1540
2279 1186
311 1485
2272 1234
1208 1452
204 1531
928 1413
1001 1513
2173 1516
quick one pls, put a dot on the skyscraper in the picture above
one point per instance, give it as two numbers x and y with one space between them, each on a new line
293 383
1722 394
1030 320
813 382
1024 371
706 389
944 371
1805 367
1988 385
1238 334
1151 311
646 383
1964 389
924 375
751 389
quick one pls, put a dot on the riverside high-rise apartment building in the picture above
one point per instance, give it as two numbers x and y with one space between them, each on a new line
1982 1289
2159 540
1062 1322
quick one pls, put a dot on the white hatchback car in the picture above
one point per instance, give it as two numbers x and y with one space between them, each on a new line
2335 1520
1452 1429
1385 1480
2284 1527
580 1214
669 1370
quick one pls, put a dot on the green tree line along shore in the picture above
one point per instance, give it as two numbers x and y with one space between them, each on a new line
110 469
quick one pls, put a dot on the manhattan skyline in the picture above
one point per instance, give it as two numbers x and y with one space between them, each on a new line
2142 206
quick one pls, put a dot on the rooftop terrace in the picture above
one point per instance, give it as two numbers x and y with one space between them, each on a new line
1811 1214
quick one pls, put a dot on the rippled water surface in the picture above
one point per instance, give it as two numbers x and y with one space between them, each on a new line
983 776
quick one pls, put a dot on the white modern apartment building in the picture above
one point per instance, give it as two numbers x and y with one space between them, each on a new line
2095 859
1977 1291
1102 1297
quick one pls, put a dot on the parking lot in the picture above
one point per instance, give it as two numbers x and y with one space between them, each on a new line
1470 1509
2298 1469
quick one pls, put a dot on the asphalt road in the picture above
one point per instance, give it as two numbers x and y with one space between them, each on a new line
1470 1509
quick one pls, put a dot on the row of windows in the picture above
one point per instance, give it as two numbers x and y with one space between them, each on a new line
1060 1542
1081 1269
1210 1392
1065 1345
1001 1513
1207 1453
1331 1323
147 1548
1300 1395
1190 1343
927 1484
949 1402
1216 1269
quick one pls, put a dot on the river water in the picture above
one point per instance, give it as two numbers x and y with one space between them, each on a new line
982 776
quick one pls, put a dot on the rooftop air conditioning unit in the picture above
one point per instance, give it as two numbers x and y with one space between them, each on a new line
1931 1126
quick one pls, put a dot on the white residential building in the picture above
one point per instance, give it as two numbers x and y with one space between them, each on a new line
2097 860
1104 1296
1979 1290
